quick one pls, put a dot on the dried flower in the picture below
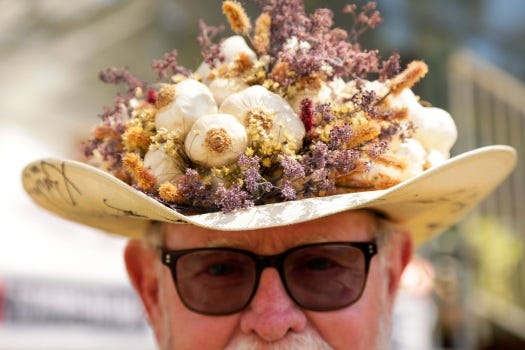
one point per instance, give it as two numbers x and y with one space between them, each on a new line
307 114
390 67
303 117
117 76
133 163
292 168
194 190
237 17
231 199
210 51
168 192
409 77
169 65
261 37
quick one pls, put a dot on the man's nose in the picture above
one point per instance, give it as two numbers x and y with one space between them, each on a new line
271 313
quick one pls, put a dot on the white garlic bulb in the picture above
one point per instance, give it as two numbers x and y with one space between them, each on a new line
434 127
407 161
321 95
230 49
414 155
163 167
192 100
222 87
275 116
215 140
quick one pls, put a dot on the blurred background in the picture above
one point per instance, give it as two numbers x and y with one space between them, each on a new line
63 286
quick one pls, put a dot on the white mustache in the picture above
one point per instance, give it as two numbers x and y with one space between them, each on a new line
292 341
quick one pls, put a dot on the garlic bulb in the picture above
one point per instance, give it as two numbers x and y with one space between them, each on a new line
434 127
191 100
273 117
222 87
321 95
215 140
163 167
391 168
230 48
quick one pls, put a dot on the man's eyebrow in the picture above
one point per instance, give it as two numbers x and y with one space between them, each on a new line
236 242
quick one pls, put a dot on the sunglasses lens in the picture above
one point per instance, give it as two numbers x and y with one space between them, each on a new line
325 277
215 282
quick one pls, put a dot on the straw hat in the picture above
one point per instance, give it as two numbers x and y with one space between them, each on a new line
426 204
270 137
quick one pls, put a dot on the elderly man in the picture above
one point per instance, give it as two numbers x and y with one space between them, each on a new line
274 195
328 283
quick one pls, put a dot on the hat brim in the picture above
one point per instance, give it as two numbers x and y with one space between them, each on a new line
426 204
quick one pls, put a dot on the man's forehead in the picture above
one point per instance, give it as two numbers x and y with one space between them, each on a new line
358 225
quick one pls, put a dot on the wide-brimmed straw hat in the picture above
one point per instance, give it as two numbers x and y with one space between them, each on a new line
426 204
284 131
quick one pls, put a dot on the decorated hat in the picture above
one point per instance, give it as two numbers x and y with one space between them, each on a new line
285 121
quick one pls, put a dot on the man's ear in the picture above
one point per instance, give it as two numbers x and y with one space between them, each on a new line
141 264
399 255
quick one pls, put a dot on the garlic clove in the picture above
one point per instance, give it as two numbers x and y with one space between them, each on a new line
191 100
163 167
215 140
230 48
276 117
390 168
435 128
222 88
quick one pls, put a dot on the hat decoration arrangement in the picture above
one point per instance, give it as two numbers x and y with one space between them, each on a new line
286 108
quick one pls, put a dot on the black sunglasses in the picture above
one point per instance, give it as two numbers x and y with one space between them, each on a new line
319 277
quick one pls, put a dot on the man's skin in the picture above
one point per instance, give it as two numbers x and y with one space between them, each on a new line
272 318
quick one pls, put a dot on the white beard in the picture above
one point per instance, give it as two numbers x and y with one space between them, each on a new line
293 341
311 340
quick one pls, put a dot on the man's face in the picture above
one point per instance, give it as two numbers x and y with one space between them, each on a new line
272 318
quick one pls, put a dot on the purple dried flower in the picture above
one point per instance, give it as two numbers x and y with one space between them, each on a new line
377 149
344 161
210 51
287 191
390 67
193 189
325 110
318 182
339 136
318 156
232 198
245 161
291 167
118 76
254 181
169 66
322 20
288 20
366 18
366 100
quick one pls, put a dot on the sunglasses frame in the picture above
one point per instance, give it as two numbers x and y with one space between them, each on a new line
170 258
